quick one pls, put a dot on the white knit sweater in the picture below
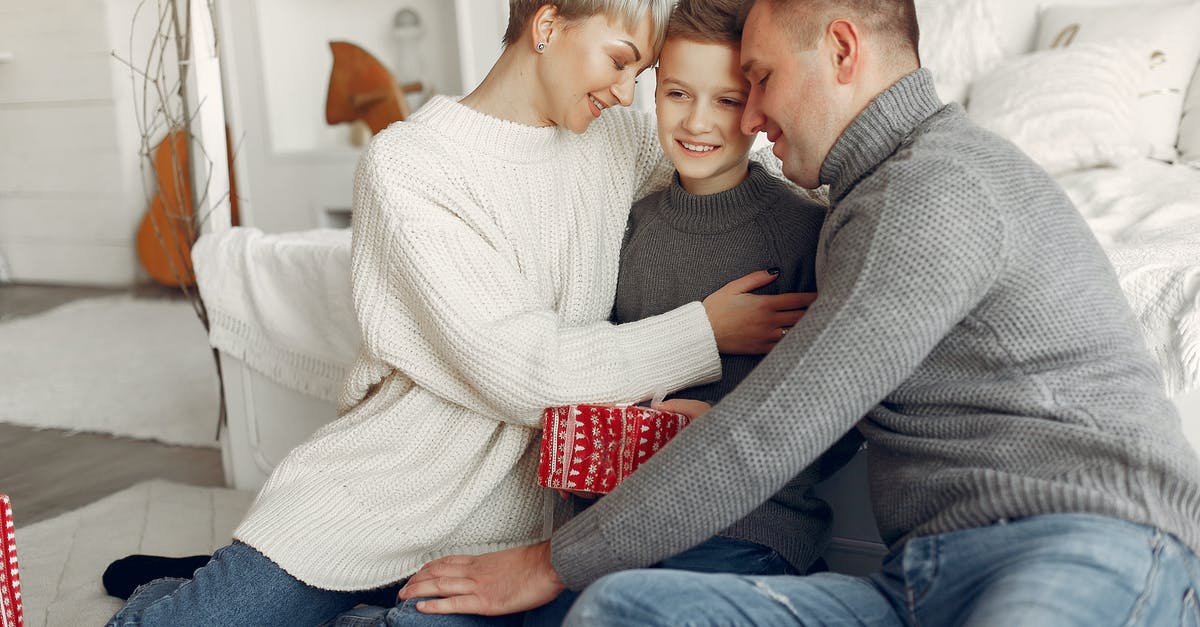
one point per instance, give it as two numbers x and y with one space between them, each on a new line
484 265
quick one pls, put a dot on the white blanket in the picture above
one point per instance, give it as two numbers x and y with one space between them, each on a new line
281 303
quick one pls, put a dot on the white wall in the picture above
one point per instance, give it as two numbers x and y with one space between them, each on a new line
293 44
68 207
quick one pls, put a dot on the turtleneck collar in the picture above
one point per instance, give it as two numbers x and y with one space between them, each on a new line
716 213
480 132
878 131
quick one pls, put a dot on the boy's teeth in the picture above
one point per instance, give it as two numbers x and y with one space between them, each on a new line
599 105
697 147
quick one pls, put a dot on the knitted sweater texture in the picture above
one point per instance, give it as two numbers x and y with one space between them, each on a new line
969 314
680 247
484 263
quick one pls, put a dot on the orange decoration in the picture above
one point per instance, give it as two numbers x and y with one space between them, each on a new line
169 260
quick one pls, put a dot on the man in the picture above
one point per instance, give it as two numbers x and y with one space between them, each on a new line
1026 467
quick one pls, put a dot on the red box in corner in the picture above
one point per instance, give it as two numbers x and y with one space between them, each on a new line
592 448
10 580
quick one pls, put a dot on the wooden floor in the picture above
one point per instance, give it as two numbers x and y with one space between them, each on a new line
47 472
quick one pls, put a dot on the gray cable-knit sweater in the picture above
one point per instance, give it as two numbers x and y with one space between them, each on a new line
679 248
969 314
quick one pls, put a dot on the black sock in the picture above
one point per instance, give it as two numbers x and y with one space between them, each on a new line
123 576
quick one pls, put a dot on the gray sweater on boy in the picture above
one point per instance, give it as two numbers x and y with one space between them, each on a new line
679 248
969 314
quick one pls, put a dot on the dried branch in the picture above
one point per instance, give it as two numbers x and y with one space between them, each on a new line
159 88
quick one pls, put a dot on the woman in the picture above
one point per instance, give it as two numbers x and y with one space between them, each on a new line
485 242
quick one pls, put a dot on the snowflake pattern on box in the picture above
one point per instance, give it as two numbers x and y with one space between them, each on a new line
10 579
592 448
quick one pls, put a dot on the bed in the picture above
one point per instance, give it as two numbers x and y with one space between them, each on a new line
281 311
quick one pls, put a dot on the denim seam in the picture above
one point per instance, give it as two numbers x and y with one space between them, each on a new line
935 545
1139 605
1191 608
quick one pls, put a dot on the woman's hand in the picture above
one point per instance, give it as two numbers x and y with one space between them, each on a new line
751 324
686 406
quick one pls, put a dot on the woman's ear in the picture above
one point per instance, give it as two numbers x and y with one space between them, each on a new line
544 25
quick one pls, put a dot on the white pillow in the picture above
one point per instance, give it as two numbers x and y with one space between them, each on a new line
1189 126
958 43
1173 33
1068 109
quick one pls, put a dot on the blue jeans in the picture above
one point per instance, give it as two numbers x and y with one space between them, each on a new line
715 555
1060 570
238 587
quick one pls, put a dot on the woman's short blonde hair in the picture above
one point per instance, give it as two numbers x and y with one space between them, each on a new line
629 12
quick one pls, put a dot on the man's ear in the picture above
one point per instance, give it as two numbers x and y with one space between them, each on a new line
545 24
845 41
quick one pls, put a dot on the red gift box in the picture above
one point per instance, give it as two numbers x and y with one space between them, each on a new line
592 448
10 580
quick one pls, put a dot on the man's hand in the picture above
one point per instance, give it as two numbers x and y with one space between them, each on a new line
751 324
504 582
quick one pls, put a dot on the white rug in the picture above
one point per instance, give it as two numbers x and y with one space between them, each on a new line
128 367
62 558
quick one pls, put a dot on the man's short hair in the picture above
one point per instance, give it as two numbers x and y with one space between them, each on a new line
706 21
628 12
894 20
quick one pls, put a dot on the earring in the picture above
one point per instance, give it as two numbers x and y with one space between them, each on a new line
541 47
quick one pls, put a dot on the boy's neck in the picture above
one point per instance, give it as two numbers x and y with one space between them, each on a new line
721 182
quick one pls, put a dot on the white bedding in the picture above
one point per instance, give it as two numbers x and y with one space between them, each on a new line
1147 216
281 303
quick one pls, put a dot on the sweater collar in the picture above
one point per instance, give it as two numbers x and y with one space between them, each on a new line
481 133
719 212
879 131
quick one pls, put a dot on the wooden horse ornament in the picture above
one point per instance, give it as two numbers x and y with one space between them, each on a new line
361 88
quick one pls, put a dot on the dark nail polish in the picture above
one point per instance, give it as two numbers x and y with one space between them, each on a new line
772 271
